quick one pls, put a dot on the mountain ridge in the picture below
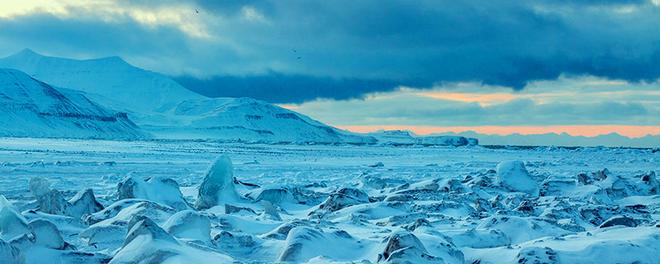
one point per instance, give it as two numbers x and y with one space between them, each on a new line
31 107
562 139
110 79
168 110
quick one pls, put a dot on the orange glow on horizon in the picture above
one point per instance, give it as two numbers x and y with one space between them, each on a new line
573 130
481 98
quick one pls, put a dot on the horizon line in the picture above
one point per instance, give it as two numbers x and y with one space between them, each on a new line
629 131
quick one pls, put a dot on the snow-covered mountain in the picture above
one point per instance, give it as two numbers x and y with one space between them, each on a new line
30 107
168 110
110 81
247 119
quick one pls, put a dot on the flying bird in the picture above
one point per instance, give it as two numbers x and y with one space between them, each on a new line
196 11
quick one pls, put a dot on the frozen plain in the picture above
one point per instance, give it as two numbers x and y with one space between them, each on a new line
365 204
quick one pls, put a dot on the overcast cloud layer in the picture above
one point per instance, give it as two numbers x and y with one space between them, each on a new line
304 50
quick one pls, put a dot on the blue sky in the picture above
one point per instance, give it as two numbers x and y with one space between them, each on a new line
401 63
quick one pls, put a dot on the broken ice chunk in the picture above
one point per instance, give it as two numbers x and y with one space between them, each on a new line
404 247
161 190
46 234
10 254
12 223
189 224
218 185
514 176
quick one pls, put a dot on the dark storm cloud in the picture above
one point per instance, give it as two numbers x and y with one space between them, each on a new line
283 88
344 49
506 43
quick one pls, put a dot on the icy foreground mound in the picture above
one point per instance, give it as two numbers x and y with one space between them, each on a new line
218 185
146 242
12 223
160 190
305 243
404 247
52 201
10 254
514 176
189 225
512 212
32 108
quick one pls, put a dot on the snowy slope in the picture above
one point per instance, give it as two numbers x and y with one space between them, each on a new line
169 110
32 108
123 86
251 120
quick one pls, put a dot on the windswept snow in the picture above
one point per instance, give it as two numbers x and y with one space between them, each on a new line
205 202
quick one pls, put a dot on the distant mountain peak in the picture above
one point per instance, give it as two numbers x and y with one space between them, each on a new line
110 80
113 60
26 53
